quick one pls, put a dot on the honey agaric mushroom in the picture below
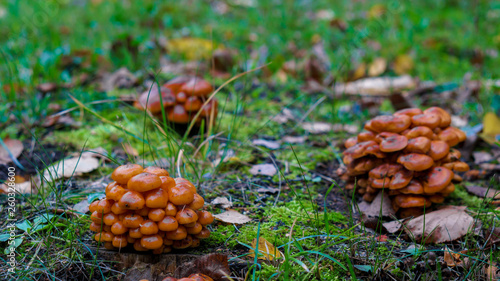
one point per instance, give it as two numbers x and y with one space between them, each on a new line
153 101
401 179
132 220
460 166
192 104
200 277
389 123
116 193
204 233
156 198
120 241
132 200
365 136
181 97
180 195
144 182
409 111
157 171
414 187
380 183
143 212
361 166
170 210
138 247
178 114
149 227
135 233
362 149
109 219
452 136
184 243
124 173
351 142
428 120
392 142
409 201
444 116
186 216
437 179
436 198
152 241
118 228
418 145
195 229
204 217
178 234
197 87
438 150
416 162
168 223
104 206
197 203
156 215
95 227
93 206
175 84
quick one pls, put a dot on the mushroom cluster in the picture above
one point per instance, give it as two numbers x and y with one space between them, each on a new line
150 210
409 155
192 277
181 98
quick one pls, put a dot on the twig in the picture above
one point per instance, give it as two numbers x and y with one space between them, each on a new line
179 160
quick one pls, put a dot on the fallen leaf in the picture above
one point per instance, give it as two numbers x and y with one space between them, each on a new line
284 116
232 216
323 127
453 259
447 224
376 86
14 149
266 143
392 226
71 167
129 150
266 250
47 87
263 169
21 188
267 190
294 139
492 272
403 64
492 236
82 206
481 157
483 192
491 128
223 201
377 67
359 72
373 209
120 79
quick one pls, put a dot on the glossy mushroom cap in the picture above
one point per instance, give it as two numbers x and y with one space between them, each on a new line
385 170
149 227
144 182
409 111
186 216
168 223
204 217
124 173
152 241
197 87
176 83
401 179
132 220
132 200
420 131
392 142
157 171
389 123
156 198
416 162
184 243
152 100
200 277
437 179
365 136
452 136
364 148
180 195
418 145
178 114
428 120
178 234
414 187
409 201
197 203
443 116
351 142
192 104
438 150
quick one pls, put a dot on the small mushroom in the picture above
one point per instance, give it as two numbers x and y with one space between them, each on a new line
135 233
418 145
186 216
380 183
443 116
195 229
176 83
132 200
144 182
420 131
410 201
365 136
351 142
192 104
204 217
116 193
109 219
156 198
118 228
181 97
157 214
124 173
401 179
168 223
448 190
184 243
120 241
178 114
197 87
157 171
132 220
204 233
178 234
155 102
385 170
149 227
409 111
438 150
180 195
151 242
392 142
428 120
437 179
452 136
170 210
389 123
197 203
414 187
138 247
416 162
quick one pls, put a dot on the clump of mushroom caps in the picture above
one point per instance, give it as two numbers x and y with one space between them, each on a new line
409 155
148 209
181 98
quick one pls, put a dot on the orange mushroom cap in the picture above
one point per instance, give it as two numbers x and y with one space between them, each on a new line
124 173
168 223
120 241
192 104
204 233
157 171
149 227
392 142
197 87
428 120
118 228
204 217
389 123
401 179
385 170
181 97
351 142
414 187
418 145
152 100
156 214
176 83
197 203
443 115
409 111
437 179
180 195
132 220
416 162
178 114
195 229
151 242
132 200
156 198
184 243
186 216
420 131
144 182
178 234
170 210
365 136
438 150
409 201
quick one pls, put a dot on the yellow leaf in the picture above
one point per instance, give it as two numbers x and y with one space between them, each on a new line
359 72
403 64
491 128
192 48
266 250
377 67
376 11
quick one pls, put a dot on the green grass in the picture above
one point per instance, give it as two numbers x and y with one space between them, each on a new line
56 41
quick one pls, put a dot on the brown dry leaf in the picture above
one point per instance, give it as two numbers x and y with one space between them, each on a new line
403 64
377 67
71 167
223 201
483 192
263 169
46 87
373 209
266 143
447 224
359 72
21 188
376 86
266 249
453 259
120 79
82 206
15 147
492 272
392 226
232 216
